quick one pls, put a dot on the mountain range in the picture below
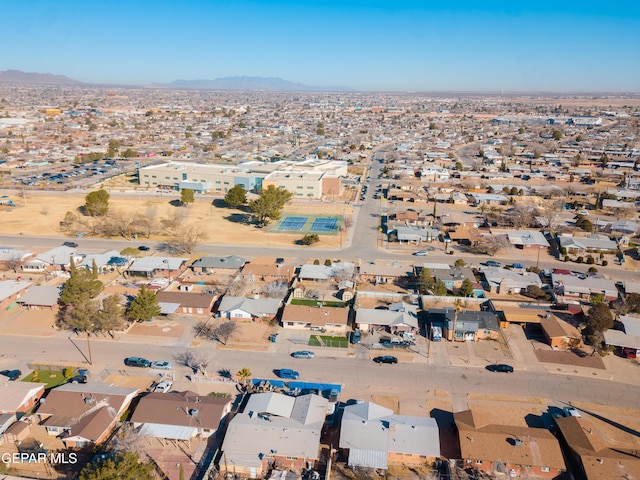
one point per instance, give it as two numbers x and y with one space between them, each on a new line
18 76
272 84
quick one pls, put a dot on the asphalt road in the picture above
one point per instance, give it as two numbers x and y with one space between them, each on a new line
413 381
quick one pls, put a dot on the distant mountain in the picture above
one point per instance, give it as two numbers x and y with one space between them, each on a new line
273 84
17 76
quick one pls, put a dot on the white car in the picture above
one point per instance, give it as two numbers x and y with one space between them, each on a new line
162 365
163 387
421 253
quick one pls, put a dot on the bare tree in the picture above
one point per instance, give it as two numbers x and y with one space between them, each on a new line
549 211
14 261
311 293
223 332
195 361
521 215
344 273
236 286
276 289
490 245
127 439
175 221
186 239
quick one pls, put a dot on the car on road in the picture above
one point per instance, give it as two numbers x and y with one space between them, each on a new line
492 263
70 244
162 365
11 374
288 373
78 379
143 248
137 362
303 354
500 367
421 253
163 387
386 359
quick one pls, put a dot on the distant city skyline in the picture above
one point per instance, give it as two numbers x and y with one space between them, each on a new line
367 45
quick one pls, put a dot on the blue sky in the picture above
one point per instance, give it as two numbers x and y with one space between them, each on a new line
364 44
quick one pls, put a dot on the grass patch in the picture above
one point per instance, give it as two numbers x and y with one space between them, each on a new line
314 303
328 341
51 378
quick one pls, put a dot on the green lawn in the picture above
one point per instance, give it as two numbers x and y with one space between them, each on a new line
328 341
51 378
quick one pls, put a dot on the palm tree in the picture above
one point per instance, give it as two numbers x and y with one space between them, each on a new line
457 308
243 374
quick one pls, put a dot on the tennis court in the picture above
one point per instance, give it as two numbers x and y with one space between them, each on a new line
324 224
292 223
308 224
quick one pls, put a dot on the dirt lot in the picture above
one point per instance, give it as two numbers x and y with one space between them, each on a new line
40 213
570 358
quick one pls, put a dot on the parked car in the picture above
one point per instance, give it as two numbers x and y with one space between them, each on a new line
500 367
11 374
137 362
517 265
162 365
70 244
163 387
385 359
492 263
143 248
78 379
288 373
303 354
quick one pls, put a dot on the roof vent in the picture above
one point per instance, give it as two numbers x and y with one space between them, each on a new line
193 412
600 460
517 442
88 400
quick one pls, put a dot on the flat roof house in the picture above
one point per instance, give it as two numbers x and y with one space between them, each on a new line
372 436
274 429
400 317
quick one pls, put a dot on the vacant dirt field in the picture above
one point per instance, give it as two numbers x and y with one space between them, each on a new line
40 213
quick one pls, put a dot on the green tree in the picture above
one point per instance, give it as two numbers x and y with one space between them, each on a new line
94 268
327 262
82 316
534 291
96 203
130 252
109 317
459 166
145 306
236 196
599 318
556 134
268 207
128 153
80 286
187 196
310 239
459 262
425 280
466 289
439 288
123 466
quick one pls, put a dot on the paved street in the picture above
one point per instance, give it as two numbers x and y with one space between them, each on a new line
413 381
